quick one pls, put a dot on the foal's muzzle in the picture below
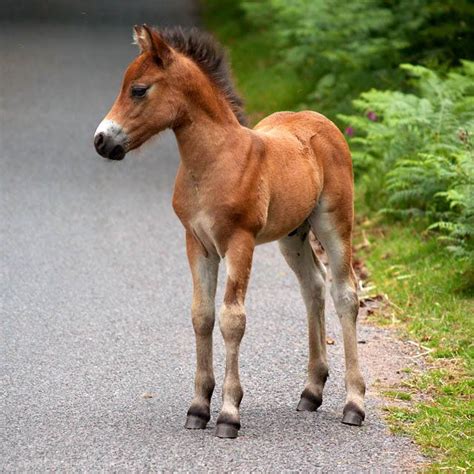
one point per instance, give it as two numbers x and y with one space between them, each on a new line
110 140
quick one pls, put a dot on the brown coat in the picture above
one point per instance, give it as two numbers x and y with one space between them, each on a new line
236 188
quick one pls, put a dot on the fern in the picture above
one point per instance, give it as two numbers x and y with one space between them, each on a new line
417 156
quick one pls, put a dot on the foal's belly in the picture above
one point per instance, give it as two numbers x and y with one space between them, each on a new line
284 219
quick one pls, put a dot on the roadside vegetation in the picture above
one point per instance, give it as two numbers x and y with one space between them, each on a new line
397 78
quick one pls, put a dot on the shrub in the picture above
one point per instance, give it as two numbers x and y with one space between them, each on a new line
346 48
414 152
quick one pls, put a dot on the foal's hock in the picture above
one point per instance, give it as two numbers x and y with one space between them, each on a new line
236 188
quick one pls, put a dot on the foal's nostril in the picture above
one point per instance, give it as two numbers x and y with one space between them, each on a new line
99 142
117 153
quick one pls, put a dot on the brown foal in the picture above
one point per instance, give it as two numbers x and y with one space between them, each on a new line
236 188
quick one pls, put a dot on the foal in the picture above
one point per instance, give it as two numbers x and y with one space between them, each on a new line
237 188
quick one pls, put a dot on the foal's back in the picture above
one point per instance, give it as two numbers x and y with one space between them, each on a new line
315 132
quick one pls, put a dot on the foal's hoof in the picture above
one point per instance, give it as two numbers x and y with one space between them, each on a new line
309 402
195 423
223 430
352 415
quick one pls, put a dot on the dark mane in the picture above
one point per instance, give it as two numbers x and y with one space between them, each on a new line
211 57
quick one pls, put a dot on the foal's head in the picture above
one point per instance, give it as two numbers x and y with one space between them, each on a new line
173 68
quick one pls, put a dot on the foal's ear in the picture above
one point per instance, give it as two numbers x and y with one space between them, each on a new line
149 40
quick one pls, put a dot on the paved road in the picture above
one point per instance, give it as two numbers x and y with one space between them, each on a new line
96 295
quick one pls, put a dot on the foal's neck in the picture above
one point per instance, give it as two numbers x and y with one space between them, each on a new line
210 132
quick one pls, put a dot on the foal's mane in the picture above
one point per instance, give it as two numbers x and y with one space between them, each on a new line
211 57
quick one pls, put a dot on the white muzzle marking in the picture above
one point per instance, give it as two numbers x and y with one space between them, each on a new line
113 132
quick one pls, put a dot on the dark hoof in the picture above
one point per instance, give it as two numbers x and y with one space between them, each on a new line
195 423
352 415
223 430
307 405
309 402
352 418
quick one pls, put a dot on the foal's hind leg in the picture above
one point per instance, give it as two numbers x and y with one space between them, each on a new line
333 227
204 270
311 275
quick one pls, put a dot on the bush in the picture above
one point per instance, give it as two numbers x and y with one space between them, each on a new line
346 48
341 47
414 152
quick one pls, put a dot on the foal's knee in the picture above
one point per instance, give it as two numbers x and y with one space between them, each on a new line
203 318
345 299
232 322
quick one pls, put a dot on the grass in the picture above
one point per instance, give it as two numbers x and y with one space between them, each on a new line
431 294
432 303
442 424
397 395
431 289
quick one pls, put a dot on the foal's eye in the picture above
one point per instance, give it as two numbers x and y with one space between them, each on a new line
139 91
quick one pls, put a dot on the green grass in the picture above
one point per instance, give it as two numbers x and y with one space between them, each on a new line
397 395
431 294
433 290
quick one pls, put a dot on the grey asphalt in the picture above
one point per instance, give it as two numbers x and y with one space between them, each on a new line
97 350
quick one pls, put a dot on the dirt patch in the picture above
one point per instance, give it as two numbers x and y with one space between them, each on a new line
389 360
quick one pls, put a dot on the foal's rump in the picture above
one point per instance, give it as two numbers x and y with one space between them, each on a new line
307 159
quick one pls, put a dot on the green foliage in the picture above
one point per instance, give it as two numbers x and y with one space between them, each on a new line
415 154
341 47
345 48
444 34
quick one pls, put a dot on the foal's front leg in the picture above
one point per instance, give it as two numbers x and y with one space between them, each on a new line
232 323
204 270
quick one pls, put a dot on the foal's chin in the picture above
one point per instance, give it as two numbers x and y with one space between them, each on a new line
142 143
